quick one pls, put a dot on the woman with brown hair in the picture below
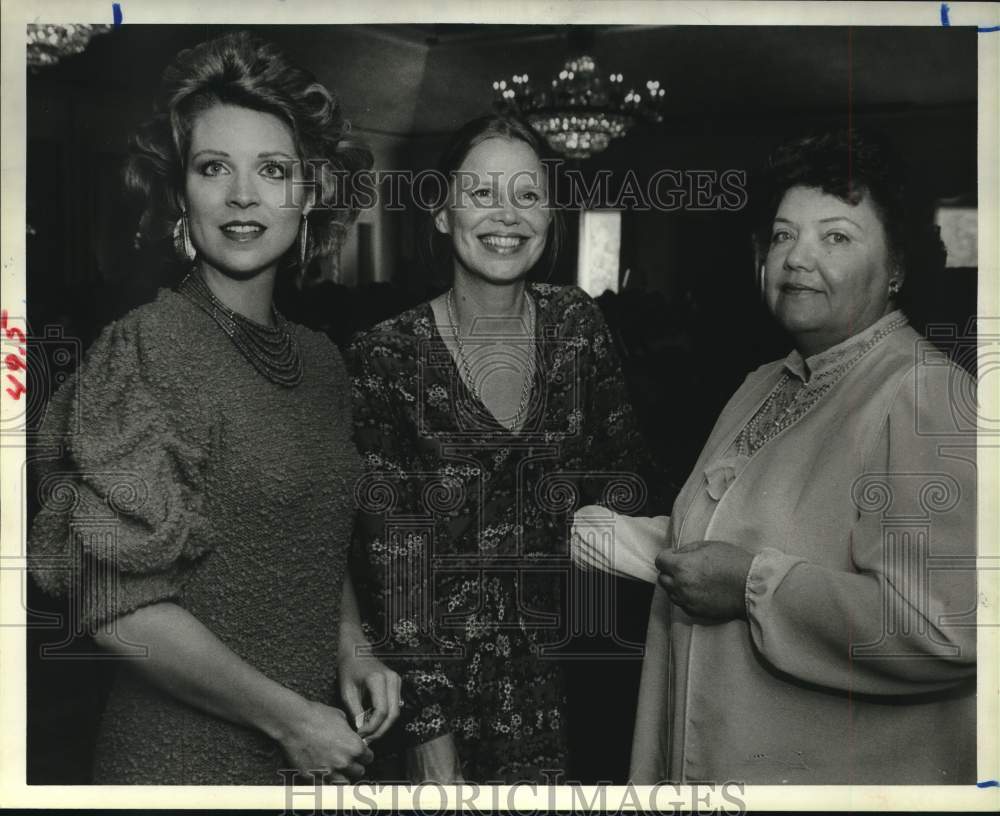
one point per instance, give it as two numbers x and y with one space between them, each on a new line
483 416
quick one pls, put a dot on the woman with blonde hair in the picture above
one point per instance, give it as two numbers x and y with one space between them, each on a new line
212 438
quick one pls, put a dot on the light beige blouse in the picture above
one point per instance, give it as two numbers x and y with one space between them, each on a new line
857 663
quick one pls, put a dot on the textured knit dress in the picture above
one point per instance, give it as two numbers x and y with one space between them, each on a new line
180 473
463 531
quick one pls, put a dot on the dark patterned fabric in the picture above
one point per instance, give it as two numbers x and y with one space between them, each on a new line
200 482
462 539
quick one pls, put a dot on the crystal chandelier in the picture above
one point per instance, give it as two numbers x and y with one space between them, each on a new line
47 43
580 113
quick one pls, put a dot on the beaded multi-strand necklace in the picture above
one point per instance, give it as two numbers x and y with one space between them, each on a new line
773 417
272 350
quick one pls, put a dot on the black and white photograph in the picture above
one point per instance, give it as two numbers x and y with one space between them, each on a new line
583 406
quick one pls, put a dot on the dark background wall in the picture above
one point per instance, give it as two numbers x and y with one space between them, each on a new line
689 326
732 94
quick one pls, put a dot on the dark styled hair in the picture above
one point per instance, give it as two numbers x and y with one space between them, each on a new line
852 165
244 70
459 146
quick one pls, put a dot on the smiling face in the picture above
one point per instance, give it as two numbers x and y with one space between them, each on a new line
241 166
827 271
498 216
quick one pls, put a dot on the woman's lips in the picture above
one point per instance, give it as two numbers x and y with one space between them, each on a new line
795 289
243 231
502 244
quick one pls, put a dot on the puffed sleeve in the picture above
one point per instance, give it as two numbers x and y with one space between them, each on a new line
392 573
903 621
120 524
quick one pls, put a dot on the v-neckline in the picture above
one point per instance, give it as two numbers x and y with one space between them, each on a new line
470 395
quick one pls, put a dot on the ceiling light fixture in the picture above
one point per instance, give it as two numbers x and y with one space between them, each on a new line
580 113
47 43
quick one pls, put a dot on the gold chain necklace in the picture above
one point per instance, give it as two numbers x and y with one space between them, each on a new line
466 369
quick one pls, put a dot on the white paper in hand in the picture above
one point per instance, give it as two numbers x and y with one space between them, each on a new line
621 545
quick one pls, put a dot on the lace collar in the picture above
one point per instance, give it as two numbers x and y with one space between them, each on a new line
806 368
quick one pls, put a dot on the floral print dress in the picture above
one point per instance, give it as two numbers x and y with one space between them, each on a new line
462 539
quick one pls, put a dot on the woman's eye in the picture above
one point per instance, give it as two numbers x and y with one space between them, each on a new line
837 238
780 236
530 197
483 194
273 171
213 168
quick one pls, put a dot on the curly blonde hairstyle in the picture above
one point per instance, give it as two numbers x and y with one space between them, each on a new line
244 70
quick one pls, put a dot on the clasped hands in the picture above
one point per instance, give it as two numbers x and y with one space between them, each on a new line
706 579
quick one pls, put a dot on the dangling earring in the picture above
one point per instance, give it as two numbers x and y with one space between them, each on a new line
762 283
894 287
303 242
182 239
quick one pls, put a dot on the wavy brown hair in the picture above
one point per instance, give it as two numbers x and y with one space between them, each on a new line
244 70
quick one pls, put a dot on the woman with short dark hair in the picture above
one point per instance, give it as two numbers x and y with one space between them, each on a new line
209 440
814 621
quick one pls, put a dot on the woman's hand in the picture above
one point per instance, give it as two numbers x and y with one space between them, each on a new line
368 679
365 678
320 738
187 661
707 579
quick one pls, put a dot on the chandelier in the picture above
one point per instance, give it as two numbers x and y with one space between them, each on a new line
580 113
47 44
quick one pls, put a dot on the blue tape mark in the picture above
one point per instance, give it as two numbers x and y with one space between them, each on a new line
989 783
945 21
116 10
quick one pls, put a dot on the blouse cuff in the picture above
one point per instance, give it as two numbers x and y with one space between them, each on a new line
767 570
